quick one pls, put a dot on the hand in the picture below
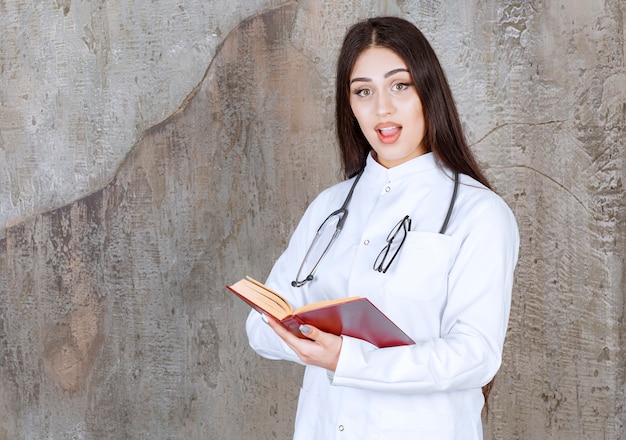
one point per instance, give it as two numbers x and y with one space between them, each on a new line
321 349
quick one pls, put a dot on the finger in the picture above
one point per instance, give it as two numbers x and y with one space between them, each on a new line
317 335
325 349
275 325
282 332
310 332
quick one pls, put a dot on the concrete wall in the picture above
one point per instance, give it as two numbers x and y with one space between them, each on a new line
152 152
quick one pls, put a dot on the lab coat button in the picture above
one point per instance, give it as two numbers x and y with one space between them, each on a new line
366 242
341 427
387 189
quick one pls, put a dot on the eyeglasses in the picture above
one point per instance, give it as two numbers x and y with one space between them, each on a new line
340 215
395 240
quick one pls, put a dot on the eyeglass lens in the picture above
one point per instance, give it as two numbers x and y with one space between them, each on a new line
394 243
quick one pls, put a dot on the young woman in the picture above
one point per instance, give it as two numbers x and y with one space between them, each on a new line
423 237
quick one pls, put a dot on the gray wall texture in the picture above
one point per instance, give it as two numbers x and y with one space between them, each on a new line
152 152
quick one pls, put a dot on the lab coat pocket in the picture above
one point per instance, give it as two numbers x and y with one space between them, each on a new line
420 270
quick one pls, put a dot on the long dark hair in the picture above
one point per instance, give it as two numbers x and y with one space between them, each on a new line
444 133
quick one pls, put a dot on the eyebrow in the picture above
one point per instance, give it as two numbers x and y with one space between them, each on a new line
387 75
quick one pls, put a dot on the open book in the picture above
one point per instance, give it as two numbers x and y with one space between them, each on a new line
355 316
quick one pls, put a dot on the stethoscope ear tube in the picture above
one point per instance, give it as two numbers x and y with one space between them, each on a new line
452 200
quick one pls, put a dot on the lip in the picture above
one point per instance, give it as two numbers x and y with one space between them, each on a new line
388 132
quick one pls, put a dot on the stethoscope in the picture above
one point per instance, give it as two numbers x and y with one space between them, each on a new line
342 212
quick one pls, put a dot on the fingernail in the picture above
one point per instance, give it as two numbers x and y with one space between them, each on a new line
264 318
305 329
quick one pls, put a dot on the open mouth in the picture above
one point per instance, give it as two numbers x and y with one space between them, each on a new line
388 135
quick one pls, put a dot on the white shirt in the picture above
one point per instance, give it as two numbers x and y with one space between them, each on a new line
449 292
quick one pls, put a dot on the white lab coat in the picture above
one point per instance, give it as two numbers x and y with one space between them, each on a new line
449 292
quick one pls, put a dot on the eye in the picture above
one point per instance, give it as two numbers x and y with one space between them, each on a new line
399 86
363 92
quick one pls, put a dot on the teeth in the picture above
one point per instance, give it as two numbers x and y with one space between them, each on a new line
388 129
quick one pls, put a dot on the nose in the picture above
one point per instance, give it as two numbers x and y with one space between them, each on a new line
384 104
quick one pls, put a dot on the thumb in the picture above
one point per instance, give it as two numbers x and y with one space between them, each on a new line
310 332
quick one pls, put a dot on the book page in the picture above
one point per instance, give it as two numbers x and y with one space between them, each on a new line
322 304
269 293
270 302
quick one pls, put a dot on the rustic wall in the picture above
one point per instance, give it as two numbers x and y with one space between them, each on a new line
82 81
128 207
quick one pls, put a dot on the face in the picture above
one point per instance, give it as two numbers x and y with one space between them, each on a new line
387 107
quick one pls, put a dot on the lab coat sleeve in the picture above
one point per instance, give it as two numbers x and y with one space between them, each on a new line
468 352
265 342
261 337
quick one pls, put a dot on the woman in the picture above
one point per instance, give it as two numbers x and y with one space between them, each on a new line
425 240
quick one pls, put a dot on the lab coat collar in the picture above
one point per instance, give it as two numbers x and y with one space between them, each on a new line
378 173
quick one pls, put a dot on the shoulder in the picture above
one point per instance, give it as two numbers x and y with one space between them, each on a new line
327 201
477 195
333 194
478 206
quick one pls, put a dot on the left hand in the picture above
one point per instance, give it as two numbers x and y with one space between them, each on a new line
321 349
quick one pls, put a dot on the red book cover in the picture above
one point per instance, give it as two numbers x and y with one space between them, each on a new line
356 317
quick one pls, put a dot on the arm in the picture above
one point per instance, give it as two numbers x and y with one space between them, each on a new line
473 323
261 336
266 342
321 349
